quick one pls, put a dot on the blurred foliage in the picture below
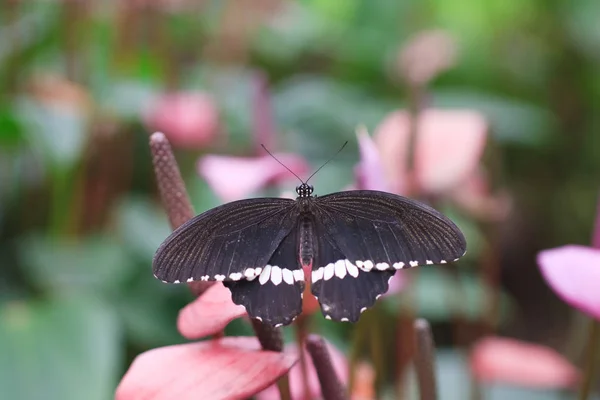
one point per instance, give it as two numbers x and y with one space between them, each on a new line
79 216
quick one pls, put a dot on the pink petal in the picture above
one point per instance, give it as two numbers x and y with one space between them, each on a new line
233 178
573 272
449 146
188 119
370 173
474 196
397 283
297 388
228 368
209 313
518 363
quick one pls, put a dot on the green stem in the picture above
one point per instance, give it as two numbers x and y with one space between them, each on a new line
591 360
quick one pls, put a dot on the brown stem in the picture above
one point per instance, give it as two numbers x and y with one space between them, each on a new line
331 386
425 360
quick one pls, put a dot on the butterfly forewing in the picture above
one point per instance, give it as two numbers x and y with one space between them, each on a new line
275 295
381 231
228 242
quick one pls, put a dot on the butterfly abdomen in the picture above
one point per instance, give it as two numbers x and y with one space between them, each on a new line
306 241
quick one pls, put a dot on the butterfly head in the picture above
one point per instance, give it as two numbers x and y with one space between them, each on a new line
304 190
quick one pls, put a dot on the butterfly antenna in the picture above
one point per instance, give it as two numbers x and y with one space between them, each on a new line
327 162
284 166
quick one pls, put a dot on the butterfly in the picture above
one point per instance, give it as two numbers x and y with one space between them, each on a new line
350 243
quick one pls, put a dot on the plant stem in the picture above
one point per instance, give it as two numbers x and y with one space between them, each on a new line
591 360
331 386
425 360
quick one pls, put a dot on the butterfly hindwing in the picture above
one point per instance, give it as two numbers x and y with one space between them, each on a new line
228 242
380 231
275 295
344 291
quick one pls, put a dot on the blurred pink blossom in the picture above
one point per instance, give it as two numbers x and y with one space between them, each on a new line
573 272
233 178
370 172
226 368
509 361
448 148
340 365
188 119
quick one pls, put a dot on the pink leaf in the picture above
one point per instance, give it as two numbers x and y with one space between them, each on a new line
228 368
340 366
448 147
370 173
573 272
518 363
233 178
209 313
188 119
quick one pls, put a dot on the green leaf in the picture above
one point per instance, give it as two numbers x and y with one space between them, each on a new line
73 265
142 226
57 133
438 297
58 350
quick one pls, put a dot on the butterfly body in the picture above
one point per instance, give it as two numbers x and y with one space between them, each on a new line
351 242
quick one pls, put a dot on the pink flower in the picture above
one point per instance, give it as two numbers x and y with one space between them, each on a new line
233 178
448 147
188 119
230 367
500 360
226 368
370 172
340 365
573 272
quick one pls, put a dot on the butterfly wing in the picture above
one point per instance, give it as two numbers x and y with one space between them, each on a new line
381 231
343 290
275 295
364 237
230 242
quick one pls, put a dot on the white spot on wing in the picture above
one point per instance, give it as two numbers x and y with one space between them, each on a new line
264 275
317 274
428 262
298 275
276 277
327 317
399 265
414 263
259 318
362 310
442 261
382 266
278 325
368 265
359 264
190 280
288 276
219 277
250 274
377 297
235 276
328 271
351 268
344 319
176 281
340 269
204 278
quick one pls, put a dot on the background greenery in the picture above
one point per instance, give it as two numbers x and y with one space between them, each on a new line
79 213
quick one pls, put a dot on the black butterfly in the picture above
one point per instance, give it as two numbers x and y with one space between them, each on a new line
353 242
